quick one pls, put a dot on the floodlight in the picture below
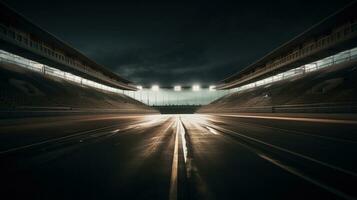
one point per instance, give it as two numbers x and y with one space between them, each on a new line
155 88
212 88
139 87
177 88
196 88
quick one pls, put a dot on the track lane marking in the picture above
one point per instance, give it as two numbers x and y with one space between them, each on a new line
291 169
297 132
213 131
55 139
289 151
183 139
174 168
293 132
283 166
307 178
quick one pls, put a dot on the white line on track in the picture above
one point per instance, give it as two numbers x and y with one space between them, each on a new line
311 180
212 130
174 168
183 139
289 151
55 139
180 130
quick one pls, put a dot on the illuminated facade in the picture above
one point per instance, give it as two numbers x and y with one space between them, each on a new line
174 96
178 95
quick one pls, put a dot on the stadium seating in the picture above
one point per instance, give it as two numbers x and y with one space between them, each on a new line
336 85
23 88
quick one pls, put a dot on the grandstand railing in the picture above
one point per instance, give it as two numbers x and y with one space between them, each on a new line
6 57
336 36
26 41
341 57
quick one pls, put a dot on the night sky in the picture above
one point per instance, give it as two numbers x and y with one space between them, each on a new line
175 42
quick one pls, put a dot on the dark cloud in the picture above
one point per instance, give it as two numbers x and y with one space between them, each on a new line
175 42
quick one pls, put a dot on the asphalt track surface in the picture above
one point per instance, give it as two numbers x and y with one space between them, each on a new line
178 157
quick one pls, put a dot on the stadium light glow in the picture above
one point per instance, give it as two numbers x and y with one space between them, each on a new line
196 88
177 88
139 87
155 88
212 88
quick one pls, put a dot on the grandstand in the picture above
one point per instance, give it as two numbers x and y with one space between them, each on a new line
333 35
39 72
22 88
20 38
314 72
331 89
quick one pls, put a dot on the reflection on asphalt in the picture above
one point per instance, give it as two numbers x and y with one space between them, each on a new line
180 157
